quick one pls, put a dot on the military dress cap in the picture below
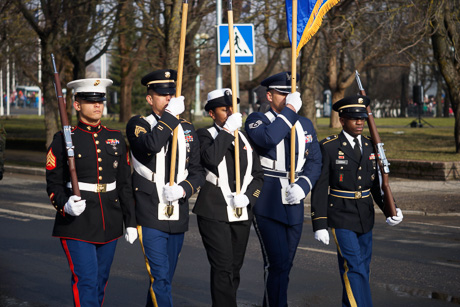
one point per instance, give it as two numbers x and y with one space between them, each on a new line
91 89
352 106
219 98
162 81
280 82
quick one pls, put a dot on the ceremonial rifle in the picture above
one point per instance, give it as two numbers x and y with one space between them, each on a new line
293 84
67 130
180 72
388 201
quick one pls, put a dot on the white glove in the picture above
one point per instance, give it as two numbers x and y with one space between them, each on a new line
173 192
233 122
322 236
75 205
294 100
395 220
131 235
294 194
240 201
176 105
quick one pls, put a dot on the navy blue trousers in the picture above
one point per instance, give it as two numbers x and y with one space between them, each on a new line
279 244
90 266
354 252
161 251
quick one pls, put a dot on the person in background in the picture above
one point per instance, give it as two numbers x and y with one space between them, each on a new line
341 199
162 210
279 211
224 233
89 225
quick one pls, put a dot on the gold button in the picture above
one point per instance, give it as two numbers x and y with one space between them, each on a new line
98 151
359 177
100 177
79 155
97 142
359 187
116 152
360 168
99 159
331 205
137 189
100 168
341 167
95 135
116 200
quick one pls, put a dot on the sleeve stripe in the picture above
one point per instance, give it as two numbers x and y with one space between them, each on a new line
165 124
193 190
308 180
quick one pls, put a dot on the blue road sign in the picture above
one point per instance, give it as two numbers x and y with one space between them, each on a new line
244 44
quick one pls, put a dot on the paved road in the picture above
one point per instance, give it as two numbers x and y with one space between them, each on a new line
414 264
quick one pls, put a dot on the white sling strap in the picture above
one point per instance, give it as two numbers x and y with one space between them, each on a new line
222 180
280 163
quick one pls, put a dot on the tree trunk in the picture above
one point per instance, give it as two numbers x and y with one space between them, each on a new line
404 96
309 60
444 25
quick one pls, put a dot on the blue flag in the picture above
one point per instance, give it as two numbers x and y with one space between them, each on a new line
310 14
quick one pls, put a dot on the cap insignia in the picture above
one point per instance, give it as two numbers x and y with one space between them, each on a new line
97 82
227 93
360 100
167 74
288 76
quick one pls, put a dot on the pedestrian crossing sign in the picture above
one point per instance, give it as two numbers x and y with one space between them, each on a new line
244 44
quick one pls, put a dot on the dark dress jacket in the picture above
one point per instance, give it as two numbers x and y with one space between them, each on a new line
100 158
145 142
210 202
342 171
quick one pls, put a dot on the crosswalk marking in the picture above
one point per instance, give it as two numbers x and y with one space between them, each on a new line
36 205
317 250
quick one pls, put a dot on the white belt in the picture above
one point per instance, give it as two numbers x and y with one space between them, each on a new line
212 178
95 187
268 163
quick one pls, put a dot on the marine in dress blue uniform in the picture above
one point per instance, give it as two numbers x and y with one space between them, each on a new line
161 232
342 199
224 234
89 226
279 211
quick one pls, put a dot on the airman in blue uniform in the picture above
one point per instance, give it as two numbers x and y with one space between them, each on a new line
279 211
342 199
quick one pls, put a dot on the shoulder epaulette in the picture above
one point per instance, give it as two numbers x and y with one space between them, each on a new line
367 137
329 139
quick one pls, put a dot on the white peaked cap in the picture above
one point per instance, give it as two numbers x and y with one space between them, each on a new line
90 85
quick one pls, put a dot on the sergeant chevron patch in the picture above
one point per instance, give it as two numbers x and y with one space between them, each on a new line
50 160
139 130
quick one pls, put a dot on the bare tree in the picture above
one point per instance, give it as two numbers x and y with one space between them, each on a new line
446 30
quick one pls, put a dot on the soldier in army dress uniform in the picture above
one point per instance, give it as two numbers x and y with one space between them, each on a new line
89 226
162 210
341 199
279 211
224 234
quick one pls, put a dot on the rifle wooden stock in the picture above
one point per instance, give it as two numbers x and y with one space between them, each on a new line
67 130
389 208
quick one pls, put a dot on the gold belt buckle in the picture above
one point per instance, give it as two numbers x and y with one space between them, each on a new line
101 187
358 195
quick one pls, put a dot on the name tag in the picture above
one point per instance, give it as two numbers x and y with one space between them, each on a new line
343 162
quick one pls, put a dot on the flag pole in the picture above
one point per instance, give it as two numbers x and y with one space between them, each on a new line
293 83
180 72
231 44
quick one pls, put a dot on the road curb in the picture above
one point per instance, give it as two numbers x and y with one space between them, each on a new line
38 171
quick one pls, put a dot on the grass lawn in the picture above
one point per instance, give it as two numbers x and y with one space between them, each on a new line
401 141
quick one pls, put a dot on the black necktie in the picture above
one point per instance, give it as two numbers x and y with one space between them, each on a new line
357 149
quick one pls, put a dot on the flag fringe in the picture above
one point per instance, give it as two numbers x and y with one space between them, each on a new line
314 23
